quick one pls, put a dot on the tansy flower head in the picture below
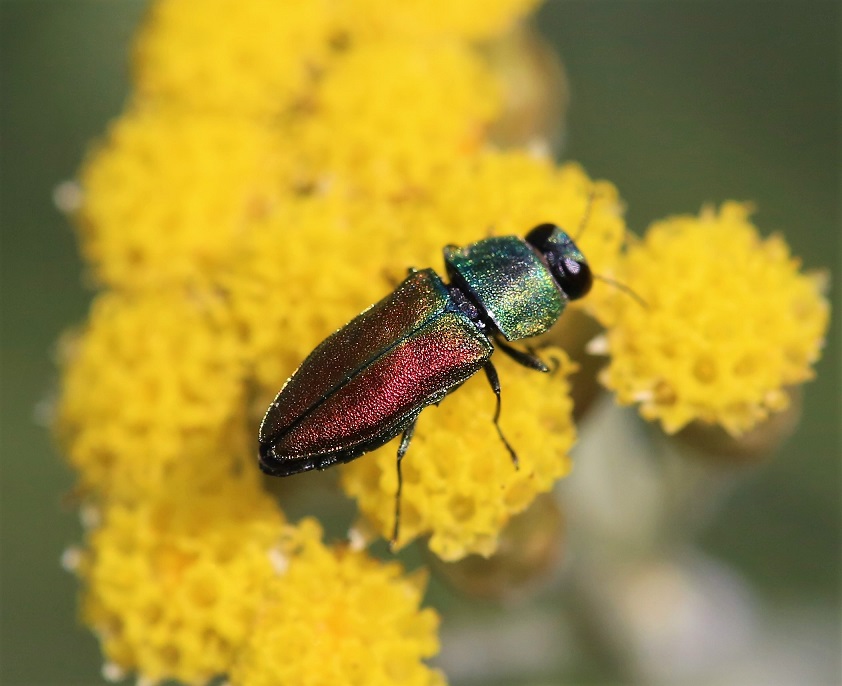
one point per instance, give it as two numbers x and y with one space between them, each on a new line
168 193
172 583
431 104
459 484
338 616
227 56
153 394
277 171
729 322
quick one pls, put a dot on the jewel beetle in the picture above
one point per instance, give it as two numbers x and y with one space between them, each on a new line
368 382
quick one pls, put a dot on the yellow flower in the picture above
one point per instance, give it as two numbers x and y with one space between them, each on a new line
729 323
392 113
459 484
229 56
279 168
338 616
153 394
168 194
172 583
264 58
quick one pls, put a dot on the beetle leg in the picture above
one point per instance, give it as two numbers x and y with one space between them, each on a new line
404 446
494 380
526 358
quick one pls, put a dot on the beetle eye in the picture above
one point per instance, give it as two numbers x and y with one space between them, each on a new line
567 264
578 279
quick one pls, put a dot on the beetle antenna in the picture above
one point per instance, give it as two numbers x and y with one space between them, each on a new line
585 217
621 286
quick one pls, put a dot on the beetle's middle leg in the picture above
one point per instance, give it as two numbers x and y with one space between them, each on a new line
402 448
494 380
526 358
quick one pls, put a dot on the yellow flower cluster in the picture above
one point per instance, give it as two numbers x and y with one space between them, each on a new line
169 192
219 56
435 94
277 169
173 582
190 588
336 616
729 323
153 395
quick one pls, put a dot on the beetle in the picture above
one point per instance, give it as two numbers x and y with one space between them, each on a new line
368 382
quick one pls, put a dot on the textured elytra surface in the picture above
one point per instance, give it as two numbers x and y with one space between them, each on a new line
363 384
420 297
376 402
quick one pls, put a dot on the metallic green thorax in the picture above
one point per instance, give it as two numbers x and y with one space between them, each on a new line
511 282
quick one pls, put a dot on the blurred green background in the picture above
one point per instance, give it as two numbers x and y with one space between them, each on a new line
677 103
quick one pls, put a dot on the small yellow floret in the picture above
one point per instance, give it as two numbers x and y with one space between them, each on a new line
459 484
169 194
729 323
153 393
338 616
172 584
230 56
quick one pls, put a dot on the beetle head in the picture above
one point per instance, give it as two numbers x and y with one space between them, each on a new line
566 262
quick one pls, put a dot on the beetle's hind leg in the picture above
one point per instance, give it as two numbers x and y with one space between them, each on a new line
402 448
494 380
524 357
